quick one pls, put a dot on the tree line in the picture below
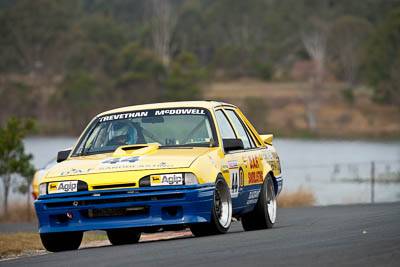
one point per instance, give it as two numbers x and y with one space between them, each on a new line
61 62
14 161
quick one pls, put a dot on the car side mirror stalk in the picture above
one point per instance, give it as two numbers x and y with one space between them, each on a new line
63 155
232 144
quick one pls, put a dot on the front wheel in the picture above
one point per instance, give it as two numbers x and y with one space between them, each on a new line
123 236
55 242
221 214
264 214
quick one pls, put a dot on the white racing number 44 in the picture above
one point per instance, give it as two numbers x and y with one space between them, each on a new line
234 182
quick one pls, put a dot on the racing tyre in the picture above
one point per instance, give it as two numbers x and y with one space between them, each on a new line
264 214
55 242
123 236
221 215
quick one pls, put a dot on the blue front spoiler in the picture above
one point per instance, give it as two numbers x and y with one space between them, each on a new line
123 208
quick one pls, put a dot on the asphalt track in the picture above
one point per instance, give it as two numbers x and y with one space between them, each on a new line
353 235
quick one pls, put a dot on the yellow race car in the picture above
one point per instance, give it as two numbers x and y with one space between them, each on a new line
158 167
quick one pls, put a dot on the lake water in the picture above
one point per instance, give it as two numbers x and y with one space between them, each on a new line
331 169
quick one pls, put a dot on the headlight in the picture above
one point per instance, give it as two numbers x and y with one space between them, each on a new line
42 189
190 179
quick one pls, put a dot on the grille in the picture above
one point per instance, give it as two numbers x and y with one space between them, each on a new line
113 186
115 200
115 212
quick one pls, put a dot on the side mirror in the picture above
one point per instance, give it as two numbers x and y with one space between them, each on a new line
232 144
63 155
267 138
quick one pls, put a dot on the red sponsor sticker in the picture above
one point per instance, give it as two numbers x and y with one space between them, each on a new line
255 177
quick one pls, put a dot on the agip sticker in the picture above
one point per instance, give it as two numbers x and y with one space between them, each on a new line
63 187
166 179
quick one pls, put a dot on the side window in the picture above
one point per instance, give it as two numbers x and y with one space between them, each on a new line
252 137
247 142
224 126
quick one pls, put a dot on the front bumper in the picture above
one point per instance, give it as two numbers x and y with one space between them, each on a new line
122 208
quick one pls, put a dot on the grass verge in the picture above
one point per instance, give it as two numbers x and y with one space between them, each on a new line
14 244
298 198
19 212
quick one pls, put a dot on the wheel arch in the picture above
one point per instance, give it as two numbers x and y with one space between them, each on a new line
268 170
275 182
219 175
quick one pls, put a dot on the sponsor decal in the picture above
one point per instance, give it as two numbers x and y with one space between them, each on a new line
255 177
120 160
75 171
155 179
166 179
119 167
233 164
253 197
149 113
254 162
241 177
181 111
133 166
234 176
53 186
63 187
266 154
255 174
124 116
273 161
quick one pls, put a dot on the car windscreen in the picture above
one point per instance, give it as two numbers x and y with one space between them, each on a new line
168 127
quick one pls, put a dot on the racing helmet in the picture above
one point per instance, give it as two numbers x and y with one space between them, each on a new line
124 129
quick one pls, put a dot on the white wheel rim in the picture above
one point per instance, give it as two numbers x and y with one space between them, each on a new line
222 206
271 201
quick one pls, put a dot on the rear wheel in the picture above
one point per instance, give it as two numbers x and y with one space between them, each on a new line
123 236
56 242
264 214
221 215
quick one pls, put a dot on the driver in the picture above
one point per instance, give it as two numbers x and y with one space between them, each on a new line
123 133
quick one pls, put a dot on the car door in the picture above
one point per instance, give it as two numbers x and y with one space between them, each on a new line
252 157
232 162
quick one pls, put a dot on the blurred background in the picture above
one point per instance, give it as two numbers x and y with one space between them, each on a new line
322 75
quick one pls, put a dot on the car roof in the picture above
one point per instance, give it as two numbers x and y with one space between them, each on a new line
182 104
